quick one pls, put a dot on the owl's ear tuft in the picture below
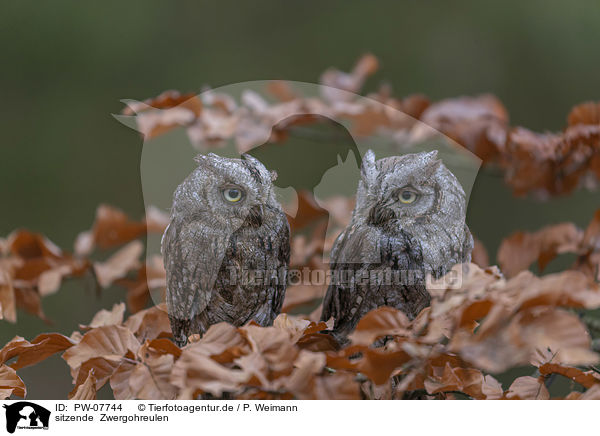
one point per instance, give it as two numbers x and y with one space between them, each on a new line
206 160
432 161
431 156
200 159
367 170
255 163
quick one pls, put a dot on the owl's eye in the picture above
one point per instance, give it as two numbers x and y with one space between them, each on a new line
233 195
407 196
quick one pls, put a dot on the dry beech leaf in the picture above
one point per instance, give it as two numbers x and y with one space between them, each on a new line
375 363
150 323
478 123
512 342
151 276
586 379
378 323
528 388
36 265
119 381
350 82
10 383
30 353
308 212
112 227
119 264
468 380
86 390
150 379
199 371
8 302
107 317
591 394
479 255
109 342
585 113
103 367
520 250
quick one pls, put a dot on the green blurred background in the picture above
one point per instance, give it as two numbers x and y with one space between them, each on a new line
65 66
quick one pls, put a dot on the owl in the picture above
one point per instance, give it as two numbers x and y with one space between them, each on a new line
409 221
226 250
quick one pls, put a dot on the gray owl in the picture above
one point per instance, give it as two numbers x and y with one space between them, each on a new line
409 220
226 250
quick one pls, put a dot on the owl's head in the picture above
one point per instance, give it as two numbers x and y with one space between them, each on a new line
229 193
414 189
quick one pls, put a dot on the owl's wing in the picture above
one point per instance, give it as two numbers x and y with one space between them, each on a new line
282 260
192 254
331 302
354 290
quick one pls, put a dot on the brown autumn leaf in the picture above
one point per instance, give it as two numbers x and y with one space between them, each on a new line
222 341
103 367
150 323
468 380
529 161
378 323
281 90
586 379
478 123
480 255
567 289
109 342
521 249
584 113
149 379
591 394
197 371
503 341
119 381
119 264
107 317
375 363
38 264
166 100
302 379
350 82
294 325
273 345
528 388
308 212
86 390
10 383
111 228
338 386
31 353
150 277
8 302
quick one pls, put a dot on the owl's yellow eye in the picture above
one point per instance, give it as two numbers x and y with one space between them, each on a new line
233 195
407 196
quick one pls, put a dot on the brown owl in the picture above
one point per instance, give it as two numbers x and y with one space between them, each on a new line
226 250
409 220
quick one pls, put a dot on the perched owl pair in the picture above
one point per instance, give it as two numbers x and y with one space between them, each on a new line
226 250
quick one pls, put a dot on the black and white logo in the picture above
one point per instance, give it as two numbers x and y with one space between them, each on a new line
26 415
